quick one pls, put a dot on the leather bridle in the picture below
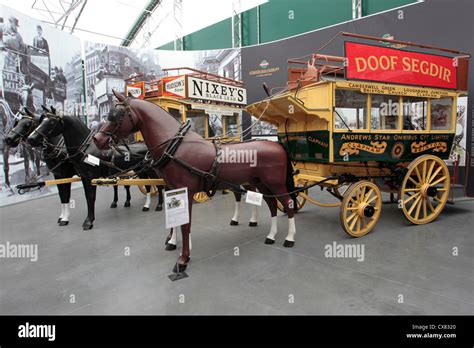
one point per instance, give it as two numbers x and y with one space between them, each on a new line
29 130
122 110
47 134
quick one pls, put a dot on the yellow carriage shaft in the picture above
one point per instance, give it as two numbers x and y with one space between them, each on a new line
61 181
127 182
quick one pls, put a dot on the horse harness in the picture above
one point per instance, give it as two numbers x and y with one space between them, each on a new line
210 177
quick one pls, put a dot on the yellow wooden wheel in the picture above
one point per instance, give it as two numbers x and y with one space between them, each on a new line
200 197
153 191
300 201
360 208
425 189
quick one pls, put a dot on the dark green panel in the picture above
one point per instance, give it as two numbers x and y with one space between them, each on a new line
362 147
282 18
373 6
167 46
216 36
249 27
311 146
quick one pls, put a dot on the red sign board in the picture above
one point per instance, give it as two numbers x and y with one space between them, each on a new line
136 89
375 63
174 86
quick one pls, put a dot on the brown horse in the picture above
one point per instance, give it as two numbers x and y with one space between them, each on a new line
185 164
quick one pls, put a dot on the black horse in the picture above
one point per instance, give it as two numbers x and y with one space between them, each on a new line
77 139
53 154
8 118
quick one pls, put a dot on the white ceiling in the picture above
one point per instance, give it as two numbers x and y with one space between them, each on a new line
109 21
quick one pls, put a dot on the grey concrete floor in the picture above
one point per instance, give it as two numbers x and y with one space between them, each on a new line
416 262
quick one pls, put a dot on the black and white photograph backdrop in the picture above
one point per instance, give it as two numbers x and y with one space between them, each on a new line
41 65
110 67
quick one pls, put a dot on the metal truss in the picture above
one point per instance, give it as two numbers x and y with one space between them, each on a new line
62 13
178 25
236 24
356 9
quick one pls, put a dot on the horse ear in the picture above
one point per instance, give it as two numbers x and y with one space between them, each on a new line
130 95
53 109
22 113
45 108
119 96
27 112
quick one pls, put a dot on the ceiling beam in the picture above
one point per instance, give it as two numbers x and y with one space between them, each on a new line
141 19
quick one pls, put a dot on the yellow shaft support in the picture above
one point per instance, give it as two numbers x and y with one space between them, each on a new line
61 181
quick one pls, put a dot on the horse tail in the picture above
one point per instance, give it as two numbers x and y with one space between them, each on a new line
290 183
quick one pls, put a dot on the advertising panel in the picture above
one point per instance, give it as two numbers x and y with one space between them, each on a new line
375 63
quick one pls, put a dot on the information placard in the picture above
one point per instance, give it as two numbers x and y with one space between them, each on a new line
176 207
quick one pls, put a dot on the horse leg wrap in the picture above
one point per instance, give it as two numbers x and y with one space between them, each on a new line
253 218
273 231
235 219
146 207
66 212
290 238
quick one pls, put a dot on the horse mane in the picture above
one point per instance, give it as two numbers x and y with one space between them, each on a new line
77 123
148 103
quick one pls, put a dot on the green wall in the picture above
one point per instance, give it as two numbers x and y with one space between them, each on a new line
280 19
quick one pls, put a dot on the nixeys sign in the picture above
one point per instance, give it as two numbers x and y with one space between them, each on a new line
214 91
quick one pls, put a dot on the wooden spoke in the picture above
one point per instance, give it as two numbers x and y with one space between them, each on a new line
412 189
425 209
413 181
438 181
354 222
371 199
411 197
420 180
364 223
413 206
430 170
418 208
424 171
368 195
431 206
436 172
351 217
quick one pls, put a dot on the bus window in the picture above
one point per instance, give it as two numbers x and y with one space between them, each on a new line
232 125
175 113
198 122
215 125
384 112
351 110
414 113
441 113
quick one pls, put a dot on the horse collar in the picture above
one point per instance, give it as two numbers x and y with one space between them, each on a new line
173 145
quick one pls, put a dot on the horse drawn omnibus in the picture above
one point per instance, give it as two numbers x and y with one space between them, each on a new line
380 119
213 103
